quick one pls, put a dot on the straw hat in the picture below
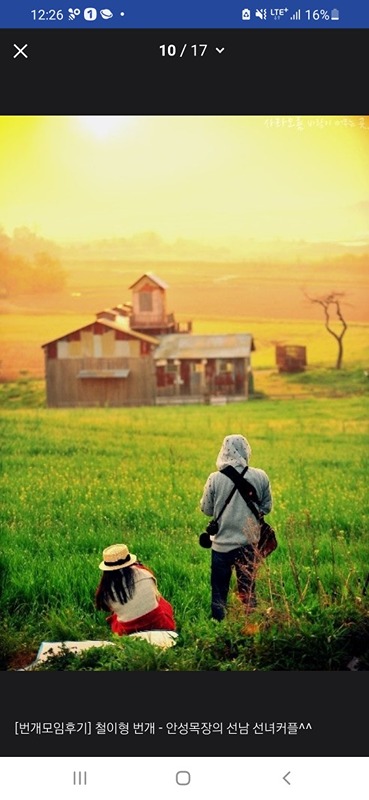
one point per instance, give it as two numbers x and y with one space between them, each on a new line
116 556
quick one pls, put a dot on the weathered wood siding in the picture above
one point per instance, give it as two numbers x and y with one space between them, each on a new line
65 389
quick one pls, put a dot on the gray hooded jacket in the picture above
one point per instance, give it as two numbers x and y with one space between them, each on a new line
237 525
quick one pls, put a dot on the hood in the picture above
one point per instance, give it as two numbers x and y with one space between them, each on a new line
235 451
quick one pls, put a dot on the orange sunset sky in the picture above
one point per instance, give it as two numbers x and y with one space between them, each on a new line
215 180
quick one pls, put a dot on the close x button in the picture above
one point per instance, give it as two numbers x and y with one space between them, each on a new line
20 51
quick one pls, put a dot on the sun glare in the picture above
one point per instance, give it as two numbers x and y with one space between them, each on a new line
103 127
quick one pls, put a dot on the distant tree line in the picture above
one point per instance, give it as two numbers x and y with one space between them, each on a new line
29 265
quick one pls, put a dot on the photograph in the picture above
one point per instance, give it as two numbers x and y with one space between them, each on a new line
184 383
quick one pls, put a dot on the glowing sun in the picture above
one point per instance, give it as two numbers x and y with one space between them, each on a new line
104 127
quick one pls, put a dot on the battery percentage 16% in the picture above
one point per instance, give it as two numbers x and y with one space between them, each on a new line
317 14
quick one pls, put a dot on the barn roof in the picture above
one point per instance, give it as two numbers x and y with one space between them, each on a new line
123 310
107 323
111 315
153 278
185 346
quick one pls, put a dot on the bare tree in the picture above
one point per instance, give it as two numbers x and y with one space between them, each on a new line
331 304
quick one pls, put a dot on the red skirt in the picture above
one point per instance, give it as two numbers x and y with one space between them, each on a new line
160 618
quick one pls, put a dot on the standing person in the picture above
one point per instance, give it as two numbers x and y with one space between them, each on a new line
129 591
238 534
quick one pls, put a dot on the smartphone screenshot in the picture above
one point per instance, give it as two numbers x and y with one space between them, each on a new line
184 377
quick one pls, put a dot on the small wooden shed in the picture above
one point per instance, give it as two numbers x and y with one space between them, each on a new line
101 364
290 358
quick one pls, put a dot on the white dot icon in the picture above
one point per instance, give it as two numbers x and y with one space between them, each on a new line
122 13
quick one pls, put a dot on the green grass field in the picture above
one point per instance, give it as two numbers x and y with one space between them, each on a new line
74 481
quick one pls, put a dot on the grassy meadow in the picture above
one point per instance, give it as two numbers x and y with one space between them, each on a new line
74 481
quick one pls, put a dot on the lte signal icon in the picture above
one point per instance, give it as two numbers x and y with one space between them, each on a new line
246 14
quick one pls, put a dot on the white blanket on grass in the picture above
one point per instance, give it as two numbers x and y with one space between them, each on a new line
162 639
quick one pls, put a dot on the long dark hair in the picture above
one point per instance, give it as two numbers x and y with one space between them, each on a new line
117 585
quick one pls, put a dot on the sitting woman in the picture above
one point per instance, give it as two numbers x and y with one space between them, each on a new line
129 590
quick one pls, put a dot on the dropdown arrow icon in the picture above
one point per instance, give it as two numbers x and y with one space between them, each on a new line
219 49
285 777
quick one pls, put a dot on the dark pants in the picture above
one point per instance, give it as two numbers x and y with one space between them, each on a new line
244 561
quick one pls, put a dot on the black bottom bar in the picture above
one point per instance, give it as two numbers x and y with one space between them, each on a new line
330 703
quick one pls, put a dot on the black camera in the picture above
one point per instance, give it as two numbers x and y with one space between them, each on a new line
211 529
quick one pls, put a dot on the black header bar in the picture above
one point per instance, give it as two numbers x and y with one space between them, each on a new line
150 72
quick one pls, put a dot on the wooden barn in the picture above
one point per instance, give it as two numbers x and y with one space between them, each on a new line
102 364
136 354
203 367
290 358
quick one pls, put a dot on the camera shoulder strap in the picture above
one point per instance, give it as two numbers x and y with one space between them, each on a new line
235 487
246 489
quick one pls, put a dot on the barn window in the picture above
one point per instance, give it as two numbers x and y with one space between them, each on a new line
145 300
225 366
